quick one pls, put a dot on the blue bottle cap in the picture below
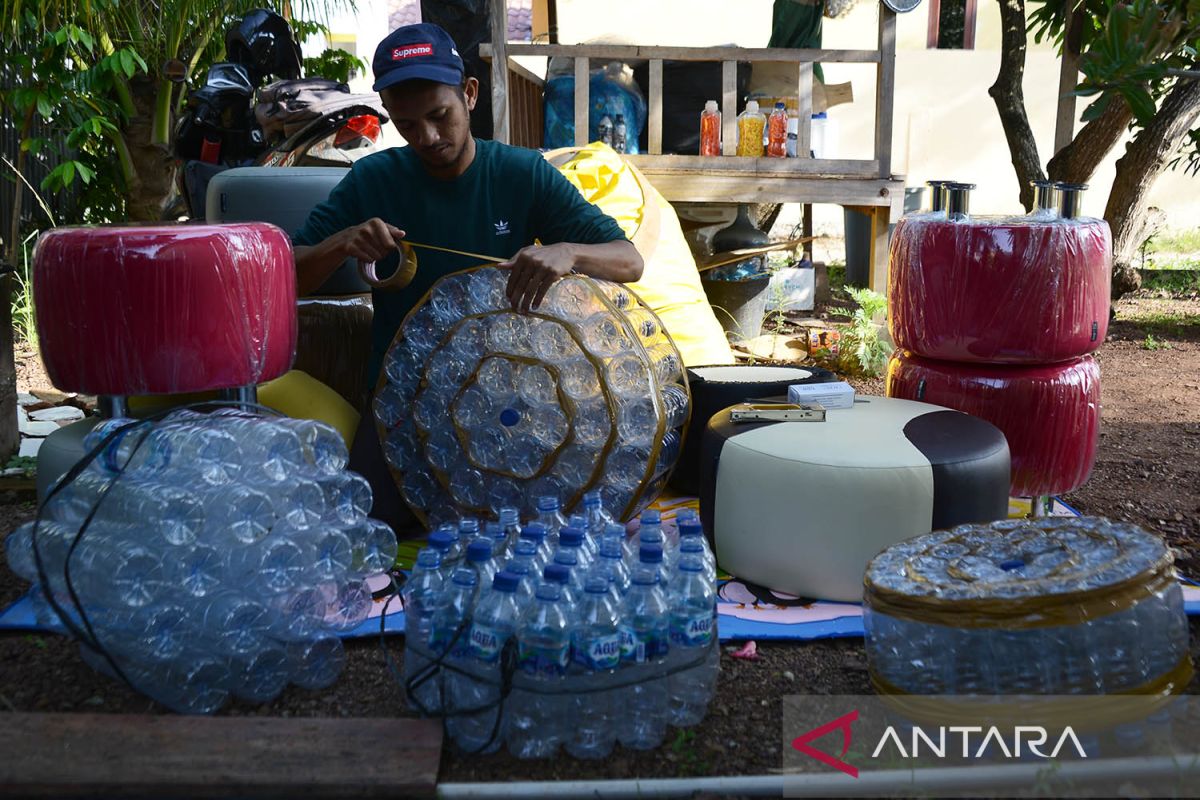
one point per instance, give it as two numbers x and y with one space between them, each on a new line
509 417
525 548
441 540
690 527
651 517
571 537
506 581
556 573
508 515
650 554
479 550
450 528
690 544
534 530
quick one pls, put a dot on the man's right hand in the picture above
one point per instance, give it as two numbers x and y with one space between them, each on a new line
373 240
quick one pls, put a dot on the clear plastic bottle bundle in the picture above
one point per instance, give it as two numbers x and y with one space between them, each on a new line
224 553
1045 606
612 651
481 407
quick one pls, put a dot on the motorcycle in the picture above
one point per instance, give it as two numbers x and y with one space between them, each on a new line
233 120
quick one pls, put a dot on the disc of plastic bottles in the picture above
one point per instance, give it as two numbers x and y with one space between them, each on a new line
1071 605
480 407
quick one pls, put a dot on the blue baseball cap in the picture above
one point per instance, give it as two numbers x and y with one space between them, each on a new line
417 51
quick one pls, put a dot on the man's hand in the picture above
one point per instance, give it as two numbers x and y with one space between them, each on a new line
533 271
373 240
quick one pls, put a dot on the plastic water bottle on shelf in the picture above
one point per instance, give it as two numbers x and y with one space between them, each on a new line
572 539
493 623
777 132
693 656
689 547
619 142
642 722
526 579
604 130
551 517
710 129
443 542
651 524
596 645
563 573
448 633
479 559
535 719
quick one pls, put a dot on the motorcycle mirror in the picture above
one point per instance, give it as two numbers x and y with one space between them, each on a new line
174 70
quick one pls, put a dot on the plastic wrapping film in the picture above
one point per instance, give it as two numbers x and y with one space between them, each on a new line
164 309
1017 290
1050 414
334 342
1044 606
480 408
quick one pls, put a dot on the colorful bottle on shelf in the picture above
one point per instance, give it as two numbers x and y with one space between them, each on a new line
618 136
777 132
710 129
750 131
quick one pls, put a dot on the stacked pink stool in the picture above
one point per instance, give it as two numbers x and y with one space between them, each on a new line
998 317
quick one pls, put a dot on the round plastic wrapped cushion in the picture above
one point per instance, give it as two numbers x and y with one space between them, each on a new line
1018 290
723 385
1050 414
801 507
157 309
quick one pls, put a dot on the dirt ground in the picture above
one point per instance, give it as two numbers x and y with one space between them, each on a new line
1147 471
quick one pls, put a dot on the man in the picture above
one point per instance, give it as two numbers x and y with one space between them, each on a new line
449 189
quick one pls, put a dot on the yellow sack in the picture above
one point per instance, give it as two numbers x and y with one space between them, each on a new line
670 284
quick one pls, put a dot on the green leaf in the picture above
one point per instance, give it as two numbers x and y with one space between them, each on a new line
43 106
68 172
127 64
85 172
1140 102
139 61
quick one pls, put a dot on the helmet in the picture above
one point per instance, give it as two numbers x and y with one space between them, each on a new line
263 43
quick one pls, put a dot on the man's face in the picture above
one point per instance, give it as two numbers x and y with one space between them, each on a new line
434 119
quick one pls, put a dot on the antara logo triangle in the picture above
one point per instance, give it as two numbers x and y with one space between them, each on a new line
801 743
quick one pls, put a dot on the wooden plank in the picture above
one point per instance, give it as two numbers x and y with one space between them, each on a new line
613 52
500 127
654 130
516 68
90 755
729 103
885 89
878 258
782 188
804 113
581 101
744 166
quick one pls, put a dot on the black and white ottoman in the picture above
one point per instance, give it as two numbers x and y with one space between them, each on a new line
717 387
801 507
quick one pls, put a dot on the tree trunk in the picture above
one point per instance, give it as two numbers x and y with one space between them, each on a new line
1009 97
1146 157
1076 162
764 215
153 164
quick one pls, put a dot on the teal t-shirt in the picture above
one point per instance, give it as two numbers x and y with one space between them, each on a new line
508 197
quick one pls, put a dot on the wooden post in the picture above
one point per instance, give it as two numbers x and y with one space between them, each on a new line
804 111
885 87
654 127
500 129
729 112
878 277
581 100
